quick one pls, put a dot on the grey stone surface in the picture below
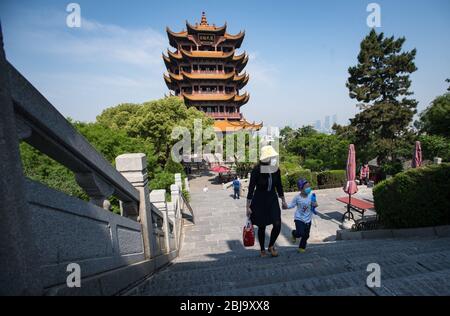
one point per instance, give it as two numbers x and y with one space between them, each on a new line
18 275
379 233
66 229
442 231
413 232
213 260
348 235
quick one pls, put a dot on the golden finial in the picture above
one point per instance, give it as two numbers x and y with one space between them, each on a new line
204 20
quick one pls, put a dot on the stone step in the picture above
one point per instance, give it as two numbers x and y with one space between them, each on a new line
235 277
294 261
392 278
315 284
350 252
425 284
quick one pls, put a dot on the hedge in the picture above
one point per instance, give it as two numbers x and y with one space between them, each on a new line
290 181
331 179
415 198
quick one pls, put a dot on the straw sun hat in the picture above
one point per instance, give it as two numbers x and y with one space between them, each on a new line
267 152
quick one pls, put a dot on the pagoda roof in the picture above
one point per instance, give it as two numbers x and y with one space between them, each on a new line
169 82
234 126
175 57
207 54
204 26
240 57
183 54
208 76
242 63
241 99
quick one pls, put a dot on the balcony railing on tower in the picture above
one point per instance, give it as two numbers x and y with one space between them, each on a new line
223 115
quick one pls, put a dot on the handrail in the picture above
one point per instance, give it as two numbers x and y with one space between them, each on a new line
188 206
53 135
157 216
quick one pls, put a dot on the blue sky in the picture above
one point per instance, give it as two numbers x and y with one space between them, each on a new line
299 51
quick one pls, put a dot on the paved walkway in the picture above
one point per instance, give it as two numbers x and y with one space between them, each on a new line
213 260
220 218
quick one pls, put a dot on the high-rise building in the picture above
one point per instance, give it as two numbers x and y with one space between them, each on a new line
318 125
334 120
326 124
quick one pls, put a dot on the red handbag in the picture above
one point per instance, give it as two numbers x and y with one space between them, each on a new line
248 234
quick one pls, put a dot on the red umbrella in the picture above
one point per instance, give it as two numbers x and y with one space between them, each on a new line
417 156
220 169
350 186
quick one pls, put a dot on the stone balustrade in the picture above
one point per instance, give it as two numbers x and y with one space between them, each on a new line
44 231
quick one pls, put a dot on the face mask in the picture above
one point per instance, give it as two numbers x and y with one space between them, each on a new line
308 191
273 161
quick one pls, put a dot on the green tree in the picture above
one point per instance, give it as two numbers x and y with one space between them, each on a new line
109 142
306 131
41 168
117 117
321 151
286 134
154 121
380 82
435 146
435 120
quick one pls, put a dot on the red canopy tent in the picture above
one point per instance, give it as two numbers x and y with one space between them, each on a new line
220 169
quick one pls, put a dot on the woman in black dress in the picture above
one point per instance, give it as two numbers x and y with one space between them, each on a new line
263 207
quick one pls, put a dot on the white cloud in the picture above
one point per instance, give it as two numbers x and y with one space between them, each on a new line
83 70
95 41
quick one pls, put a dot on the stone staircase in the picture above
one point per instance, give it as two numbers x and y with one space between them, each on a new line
408 267
213 261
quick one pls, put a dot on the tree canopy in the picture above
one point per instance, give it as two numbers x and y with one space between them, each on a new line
153 121
380 82
435 120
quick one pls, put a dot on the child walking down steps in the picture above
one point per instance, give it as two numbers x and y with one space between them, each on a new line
305 203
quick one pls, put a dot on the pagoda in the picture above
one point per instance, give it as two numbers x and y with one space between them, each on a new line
207 73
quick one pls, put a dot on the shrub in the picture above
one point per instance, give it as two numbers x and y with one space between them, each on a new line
288 167
331 179
162 180
392 168
186 195
285 183
435 146
415 198
290 181
313 164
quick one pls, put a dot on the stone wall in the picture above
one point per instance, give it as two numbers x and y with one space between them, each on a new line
44 231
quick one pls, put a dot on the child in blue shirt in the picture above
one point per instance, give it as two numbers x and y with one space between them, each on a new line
236 188
306 204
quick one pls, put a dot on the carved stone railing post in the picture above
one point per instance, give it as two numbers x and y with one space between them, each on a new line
134 168
175 198
171 206
96 188
158 199
186 184
178 181
177 216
